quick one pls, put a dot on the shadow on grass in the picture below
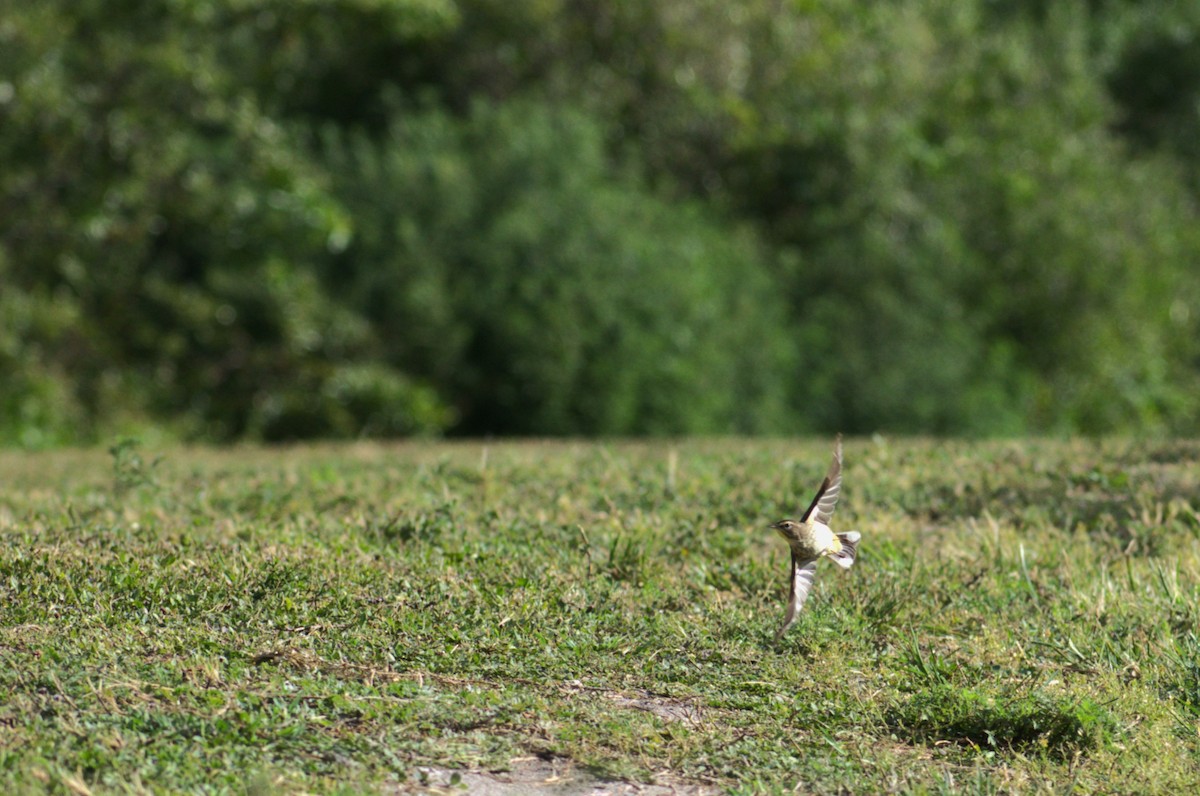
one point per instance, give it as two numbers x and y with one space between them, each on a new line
1023 723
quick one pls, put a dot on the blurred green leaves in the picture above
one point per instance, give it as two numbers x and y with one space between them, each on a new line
509 261
252 218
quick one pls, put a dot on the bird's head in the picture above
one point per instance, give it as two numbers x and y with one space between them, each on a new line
787 528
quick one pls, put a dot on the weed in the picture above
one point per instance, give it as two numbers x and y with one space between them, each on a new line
130 470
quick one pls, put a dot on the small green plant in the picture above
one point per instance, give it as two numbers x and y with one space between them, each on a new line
1182 685
130 470
626 559
1004 720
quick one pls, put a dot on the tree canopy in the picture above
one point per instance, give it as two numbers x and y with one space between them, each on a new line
271 219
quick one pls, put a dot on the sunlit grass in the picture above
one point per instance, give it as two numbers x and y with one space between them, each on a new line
1023 616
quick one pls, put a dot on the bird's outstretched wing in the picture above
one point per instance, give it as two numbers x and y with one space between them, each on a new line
831 487
803 574
844 558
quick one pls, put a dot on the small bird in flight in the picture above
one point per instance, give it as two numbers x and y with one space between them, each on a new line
811 539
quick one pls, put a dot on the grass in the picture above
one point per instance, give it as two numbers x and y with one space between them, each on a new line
1023 617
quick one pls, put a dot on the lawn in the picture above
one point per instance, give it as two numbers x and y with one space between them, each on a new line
1023 618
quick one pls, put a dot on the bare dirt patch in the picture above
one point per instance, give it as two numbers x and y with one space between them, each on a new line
665 707
534 775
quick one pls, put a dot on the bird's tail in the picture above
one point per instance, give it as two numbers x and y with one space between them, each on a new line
844 558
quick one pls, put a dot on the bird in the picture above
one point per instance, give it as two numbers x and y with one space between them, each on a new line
811 539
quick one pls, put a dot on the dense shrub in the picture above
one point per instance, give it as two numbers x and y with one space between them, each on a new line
544 291
161 230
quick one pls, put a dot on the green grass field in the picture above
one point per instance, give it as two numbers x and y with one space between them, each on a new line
1023 618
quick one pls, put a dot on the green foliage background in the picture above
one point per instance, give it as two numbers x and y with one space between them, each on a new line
226 219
